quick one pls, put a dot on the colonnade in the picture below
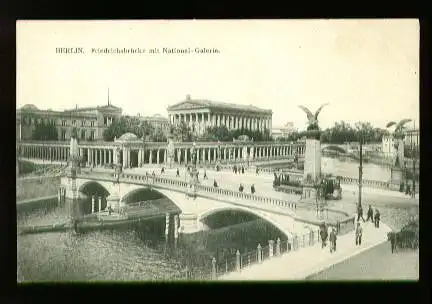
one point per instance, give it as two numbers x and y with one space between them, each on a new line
202 120
135 155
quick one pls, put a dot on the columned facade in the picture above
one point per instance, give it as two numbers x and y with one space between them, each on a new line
200 114
136 153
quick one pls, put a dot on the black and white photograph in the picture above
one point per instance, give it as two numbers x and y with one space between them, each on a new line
217 150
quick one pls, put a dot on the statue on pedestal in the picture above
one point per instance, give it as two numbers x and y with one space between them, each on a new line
312 118
398 136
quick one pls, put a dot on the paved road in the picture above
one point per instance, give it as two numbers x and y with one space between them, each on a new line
377 263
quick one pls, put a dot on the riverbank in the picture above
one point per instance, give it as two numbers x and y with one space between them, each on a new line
34 187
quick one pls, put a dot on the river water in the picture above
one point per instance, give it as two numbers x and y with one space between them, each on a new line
132 253
137 253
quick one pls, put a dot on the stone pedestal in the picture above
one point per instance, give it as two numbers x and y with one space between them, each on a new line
396 175
312 161
188 223
113 201
309 192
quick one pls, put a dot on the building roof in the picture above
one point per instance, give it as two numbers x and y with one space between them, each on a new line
31 107
98 108
204 103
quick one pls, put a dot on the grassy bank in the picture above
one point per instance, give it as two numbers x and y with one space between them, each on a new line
37 187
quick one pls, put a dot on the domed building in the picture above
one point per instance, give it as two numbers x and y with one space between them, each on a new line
127 137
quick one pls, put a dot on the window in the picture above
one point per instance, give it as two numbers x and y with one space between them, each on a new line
92 124
82 123
73 122
63 134
105 121
82 134
63 122
92 135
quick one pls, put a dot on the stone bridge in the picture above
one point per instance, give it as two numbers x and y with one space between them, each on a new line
208 201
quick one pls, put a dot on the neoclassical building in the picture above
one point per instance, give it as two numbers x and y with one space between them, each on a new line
157 121
200 114
90 122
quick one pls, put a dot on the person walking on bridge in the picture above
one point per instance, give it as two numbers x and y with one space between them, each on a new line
332 240
178 173
242 170
215 184
253 189
205 174
324 235
241 188
359 234
360 214
370 215
377 218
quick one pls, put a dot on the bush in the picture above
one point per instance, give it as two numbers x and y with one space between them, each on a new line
26 167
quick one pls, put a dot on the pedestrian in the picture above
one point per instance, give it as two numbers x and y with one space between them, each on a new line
215 184
178 173
242 170
109 210
162 170
360 213
235 169
392 238
205 174
377 218
153 174
241 188
332 240
253 189
324 235
370 214
256 171
358 234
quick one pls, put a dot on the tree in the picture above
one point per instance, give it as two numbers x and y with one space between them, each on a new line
45 131
182 132
127 124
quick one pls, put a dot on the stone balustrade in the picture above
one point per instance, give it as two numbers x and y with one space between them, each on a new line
208 189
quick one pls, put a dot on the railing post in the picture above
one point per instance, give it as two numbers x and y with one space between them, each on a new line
214 274
311 237
238 260
93 204
271 248
278 246
259 252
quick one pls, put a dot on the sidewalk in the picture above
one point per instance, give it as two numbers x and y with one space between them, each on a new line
300 264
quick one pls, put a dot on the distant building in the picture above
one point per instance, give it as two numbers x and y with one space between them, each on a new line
90 122
283 131
412 137
158 122
200 114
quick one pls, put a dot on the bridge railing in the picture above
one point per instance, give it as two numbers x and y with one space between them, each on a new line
208 189
232 260
369 183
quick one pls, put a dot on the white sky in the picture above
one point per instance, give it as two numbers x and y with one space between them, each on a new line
367 69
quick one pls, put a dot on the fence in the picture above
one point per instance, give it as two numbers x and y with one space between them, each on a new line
234 260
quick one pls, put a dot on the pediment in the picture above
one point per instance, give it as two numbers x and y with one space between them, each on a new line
185 105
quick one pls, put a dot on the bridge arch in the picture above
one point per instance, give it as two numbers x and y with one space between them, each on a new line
257 213
98 189
335 148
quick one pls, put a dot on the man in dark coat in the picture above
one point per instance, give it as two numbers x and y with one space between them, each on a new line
241 188
178 173
360 214
332 240
358 234
324 235
252 189
242 170
377 218
392 238
215 184
370 214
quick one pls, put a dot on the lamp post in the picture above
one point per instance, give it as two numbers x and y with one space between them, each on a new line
194 173
360 170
